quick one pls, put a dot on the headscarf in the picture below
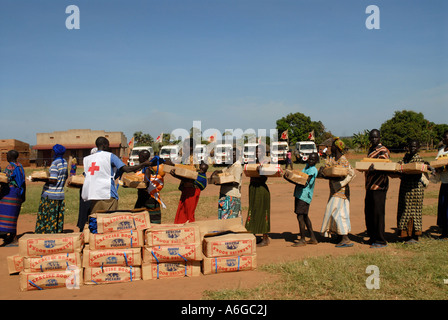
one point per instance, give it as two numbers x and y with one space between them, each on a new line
94 150
339 143
59 151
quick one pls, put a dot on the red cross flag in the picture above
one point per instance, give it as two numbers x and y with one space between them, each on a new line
311 135
159 138
284 135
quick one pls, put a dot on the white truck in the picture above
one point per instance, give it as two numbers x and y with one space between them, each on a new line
223 154
249 151
133 157
172 152
279 151
304 149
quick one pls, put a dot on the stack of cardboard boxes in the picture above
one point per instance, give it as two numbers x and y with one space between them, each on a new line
171 251
49 260
227 246
113 253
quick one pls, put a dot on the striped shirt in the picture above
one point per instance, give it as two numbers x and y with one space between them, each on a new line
58 171
201 181
377 180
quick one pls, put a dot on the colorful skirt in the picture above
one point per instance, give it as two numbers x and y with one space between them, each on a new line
229 207
187 205
336 217
10 204
410 207
259 214
50 217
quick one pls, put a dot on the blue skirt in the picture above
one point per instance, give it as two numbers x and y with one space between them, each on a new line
10 204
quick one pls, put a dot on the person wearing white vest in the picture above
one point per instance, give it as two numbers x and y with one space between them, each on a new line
101 169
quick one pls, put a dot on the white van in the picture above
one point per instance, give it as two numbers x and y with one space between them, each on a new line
304 149
172 153
249 151
133 157
279 151
223 154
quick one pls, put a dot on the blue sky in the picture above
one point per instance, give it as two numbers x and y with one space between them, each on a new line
155 66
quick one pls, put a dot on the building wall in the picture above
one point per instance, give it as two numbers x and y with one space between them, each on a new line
11 144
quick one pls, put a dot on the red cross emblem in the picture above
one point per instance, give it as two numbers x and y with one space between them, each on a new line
93 168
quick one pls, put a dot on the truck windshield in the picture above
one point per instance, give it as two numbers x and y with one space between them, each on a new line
165 151
135 152
306 147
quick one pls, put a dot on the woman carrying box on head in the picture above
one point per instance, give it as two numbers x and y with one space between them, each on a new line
337 213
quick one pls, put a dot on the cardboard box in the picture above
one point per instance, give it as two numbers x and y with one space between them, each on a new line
15 263
133 181
3 178
221 178
377 165
179 253
229 264
250 170
296 176
49 280
413 168
235 244
116 240
45 244
219 226
111 221
441 162
163 270
335 172
42 175
111 257
164 235
75 181
186 173
107 275
268 170
52 262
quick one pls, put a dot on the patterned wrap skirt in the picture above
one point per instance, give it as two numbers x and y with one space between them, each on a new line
10 204
259 214
337 217
50 216
410 206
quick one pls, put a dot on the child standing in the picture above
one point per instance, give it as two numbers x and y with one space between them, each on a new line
302 200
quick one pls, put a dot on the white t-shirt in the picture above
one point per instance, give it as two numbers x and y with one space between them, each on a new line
233 190
98 173
444 174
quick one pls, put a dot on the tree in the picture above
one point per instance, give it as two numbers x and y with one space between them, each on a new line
406 125
142 139
361 139
299 127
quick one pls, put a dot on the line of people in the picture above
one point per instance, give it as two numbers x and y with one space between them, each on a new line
103 168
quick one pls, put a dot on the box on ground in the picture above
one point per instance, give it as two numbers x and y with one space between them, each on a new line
177 253
296 176
111 275
111 221
229 264
15 263
44 244
111 257
172 234
52 262
219 226
335 171
162 270
116 240
49 280
233 244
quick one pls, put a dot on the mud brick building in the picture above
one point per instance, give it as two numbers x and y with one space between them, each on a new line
22 148
78 143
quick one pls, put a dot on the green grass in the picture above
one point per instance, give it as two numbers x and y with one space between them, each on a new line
406 272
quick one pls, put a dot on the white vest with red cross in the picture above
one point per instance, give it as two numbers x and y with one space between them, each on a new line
98 175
